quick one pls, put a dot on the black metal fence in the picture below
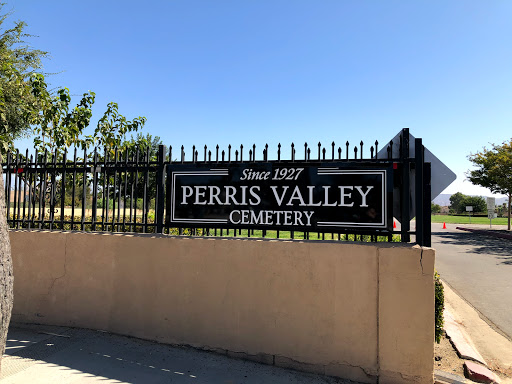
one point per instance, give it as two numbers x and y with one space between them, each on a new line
125 191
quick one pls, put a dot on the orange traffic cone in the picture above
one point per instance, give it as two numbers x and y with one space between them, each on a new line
394 224
444 225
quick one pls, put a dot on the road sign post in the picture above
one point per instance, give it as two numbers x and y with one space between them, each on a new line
469 209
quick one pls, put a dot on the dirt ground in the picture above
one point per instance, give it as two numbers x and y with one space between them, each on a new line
446 358
502 372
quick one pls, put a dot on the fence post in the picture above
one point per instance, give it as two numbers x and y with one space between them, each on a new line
405 198
94 189
419 160
7 173
160 190
427 209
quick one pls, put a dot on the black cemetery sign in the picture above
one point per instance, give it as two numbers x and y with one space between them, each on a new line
296 196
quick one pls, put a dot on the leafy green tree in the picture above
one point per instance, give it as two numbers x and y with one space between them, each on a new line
457 202
147 145
502 209
18 62
58 127
494 170
477 202
435 208
112 128
143 143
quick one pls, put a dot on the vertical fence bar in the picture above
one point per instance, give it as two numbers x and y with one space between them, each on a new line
160 190
63 189
53 190
8 186
169 161
106 197
137 184
94 208
30 198
418 164
25 172
405 198
34 189
19 171
125 194
146 185
132 191
388 151
427 196
84 189
119 182
15 208
114 186
42 205
104 193
73 190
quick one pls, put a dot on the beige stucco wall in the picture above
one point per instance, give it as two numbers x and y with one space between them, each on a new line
352 310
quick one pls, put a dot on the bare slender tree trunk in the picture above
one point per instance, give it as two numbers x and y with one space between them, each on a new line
6 274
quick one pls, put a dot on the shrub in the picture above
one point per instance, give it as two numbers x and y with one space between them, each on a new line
439 291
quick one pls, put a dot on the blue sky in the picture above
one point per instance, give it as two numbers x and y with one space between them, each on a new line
244 72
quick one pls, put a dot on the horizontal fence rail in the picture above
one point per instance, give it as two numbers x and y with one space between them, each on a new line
128 191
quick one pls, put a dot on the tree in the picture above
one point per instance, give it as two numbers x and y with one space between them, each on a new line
146 144
494 170
25 103
18 106
457 201
502 209
435 208
477 202
18 63
58 126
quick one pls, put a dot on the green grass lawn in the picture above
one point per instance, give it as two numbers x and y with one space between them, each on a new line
465 220
286 235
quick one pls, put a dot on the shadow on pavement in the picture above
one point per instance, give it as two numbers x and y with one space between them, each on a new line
44 354
481 244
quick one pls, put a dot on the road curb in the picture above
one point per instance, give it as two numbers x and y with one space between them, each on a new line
460 340
479 373
442 377
487 233
475 367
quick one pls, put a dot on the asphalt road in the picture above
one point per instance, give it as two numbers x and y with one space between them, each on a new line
478 268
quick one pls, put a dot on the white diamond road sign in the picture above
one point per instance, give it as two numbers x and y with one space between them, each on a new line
441 175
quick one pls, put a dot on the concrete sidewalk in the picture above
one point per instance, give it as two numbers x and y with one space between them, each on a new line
47 354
